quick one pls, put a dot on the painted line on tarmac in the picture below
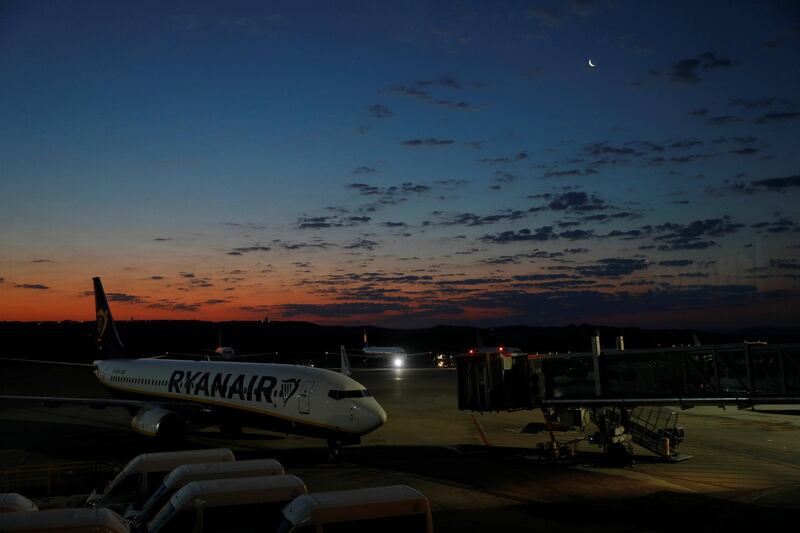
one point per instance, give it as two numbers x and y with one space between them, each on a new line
481 432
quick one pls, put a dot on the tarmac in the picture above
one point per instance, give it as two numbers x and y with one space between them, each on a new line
481 472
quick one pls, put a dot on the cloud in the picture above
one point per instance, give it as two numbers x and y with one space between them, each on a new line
361 244
787 264
338 310
782 225
187 274
777 184
460 105
765 185
42 261
379 111
409 91
471 219
691 236
445 80
685 71
330 222
315 243
172 305
572 172
758 103
747 150
686 143
777 117
156 277
721 120
126 298
519 156
387 195
544 233
162 239
573 201
363 170
35 286
676 263
603 148
246 225
365 189
248 249
431 141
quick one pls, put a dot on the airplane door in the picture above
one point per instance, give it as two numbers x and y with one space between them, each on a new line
304 404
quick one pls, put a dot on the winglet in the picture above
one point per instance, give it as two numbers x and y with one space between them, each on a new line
108 340
345 362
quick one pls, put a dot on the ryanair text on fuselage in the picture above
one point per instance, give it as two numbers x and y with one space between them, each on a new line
230 386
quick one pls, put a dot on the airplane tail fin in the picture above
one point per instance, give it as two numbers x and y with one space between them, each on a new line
108 340
345 362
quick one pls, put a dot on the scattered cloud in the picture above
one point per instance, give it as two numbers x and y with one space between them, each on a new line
686 71
324 222
777 117
431 141
379 111
126 298
249 249
172 305
35 286
358 171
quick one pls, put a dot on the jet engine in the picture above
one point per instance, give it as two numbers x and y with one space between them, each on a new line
158 422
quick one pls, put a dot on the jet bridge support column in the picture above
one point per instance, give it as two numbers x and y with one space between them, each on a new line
596 351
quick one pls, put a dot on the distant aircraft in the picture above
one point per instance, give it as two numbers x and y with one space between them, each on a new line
166 395
493 349
397 356
221 353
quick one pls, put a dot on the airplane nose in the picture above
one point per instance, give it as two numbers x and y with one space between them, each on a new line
372 417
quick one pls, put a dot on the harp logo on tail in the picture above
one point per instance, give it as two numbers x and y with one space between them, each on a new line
102 321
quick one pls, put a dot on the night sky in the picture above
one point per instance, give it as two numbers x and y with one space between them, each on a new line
402 164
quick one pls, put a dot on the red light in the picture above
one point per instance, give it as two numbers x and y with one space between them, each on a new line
471 351
501 348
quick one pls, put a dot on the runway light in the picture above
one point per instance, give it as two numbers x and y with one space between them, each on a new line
398 362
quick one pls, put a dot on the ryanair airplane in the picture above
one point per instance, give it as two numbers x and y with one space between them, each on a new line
165 395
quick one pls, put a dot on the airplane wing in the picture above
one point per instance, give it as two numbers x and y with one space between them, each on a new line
40 361
102 403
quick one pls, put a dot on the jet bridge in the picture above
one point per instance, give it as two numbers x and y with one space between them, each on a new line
629 394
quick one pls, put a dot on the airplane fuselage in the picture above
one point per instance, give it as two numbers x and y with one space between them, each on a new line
292 398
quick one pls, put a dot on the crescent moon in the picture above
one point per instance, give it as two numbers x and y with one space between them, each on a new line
591 65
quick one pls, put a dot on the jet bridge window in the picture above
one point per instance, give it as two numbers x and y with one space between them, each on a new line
342 394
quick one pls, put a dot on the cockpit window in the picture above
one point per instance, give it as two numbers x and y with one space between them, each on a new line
341 394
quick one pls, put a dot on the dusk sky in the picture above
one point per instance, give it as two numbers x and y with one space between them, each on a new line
402 163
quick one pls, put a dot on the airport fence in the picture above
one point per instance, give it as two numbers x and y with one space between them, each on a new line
58 479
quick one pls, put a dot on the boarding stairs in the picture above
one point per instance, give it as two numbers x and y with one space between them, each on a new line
656 428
